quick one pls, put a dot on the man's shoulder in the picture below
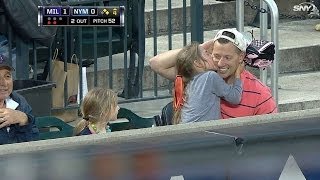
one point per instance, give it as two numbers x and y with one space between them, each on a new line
23 103
252 83
257 93
18 97
249 77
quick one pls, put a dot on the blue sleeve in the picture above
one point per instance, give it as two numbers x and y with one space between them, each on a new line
85 131
28 132
231 93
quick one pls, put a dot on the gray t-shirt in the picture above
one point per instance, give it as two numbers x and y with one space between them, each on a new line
203 95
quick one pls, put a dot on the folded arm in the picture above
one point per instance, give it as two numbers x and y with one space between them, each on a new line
164 64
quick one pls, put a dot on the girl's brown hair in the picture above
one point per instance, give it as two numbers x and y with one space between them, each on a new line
98 105
185 68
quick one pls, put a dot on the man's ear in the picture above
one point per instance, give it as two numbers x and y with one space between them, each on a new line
241 57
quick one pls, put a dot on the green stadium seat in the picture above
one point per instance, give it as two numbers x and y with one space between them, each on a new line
51 127
135 121
46 125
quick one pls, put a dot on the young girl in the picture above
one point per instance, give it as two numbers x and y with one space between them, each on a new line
198 90
98 107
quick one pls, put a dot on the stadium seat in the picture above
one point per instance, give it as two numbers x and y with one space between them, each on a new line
51 127
46 125
135 121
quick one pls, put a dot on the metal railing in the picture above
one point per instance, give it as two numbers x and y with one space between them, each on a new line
263 35
133 72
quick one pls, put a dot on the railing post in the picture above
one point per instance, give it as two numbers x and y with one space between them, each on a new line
263 35
155 47
10 55
142 44
196 20
274 38
22 59
240 15
263 31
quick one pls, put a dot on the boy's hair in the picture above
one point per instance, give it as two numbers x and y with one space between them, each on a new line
98 104
185 68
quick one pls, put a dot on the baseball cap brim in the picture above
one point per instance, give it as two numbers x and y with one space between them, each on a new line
4 62
8 67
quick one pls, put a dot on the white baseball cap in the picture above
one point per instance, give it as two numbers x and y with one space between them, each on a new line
238 40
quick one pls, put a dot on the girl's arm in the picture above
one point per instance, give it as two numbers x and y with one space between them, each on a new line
231 93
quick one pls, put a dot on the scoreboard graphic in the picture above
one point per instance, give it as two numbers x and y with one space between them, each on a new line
81 16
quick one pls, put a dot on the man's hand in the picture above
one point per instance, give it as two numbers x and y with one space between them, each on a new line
10 116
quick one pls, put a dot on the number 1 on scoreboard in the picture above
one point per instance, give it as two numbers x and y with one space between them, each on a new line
65 11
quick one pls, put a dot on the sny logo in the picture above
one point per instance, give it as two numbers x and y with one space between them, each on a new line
305 6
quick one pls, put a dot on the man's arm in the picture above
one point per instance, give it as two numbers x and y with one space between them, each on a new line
164 64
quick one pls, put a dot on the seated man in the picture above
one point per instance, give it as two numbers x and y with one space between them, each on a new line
17 124
228 51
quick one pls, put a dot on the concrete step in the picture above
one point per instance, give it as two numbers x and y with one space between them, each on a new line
299 52
216 14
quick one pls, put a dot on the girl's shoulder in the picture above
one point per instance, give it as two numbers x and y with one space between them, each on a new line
207 73
210 74
206 76
85 131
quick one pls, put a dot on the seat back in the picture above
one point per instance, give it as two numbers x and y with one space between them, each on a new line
62 129
166 115
46 125
135 121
